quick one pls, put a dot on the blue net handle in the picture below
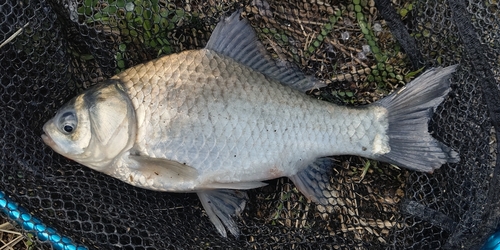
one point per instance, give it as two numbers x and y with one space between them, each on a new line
34 225
493 242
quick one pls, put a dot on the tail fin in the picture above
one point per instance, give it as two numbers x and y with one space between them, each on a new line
409 112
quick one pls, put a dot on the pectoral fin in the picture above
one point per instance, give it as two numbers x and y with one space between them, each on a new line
221 205
165 168
236 185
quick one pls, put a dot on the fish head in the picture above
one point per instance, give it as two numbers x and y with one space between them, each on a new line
68 132
94 128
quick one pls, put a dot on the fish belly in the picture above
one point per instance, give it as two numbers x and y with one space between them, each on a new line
233 124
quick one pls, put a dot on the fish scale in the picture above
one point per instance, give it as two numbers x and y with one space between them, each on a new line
227 117
245 118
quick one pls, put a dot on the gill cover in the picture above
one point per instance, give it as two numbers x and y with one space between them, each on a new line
112 124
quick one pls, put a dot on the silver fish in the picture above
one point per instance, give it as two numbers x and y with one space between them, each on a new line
223 119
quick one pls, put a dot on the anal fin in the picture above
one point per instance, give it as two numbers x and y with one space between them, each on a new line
221 205
313 181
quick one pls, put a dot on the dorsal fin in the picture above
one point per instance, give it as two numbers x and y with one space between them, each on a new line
235 38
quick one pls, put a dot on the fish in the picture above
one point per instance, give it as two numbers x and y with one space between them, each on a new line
224 119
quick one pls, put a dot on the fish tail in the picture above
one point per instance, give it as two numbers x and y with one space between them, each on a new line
409 111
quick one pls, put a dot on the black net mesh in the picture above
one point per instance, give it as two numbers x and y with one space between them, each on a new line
362 49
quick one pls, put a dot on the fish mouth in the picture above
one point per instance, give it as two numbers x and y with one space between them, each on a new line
51 143
46 138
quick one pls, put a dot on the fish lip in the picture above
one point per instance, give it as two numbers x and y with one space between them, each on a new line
51 143
46 138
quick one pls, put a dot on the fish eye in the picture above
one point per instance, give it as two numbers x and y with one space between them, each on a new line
68 128
68 122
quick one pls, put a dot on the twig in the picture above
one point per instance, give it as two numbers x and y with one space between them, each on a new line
14 35
341 48
12 243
